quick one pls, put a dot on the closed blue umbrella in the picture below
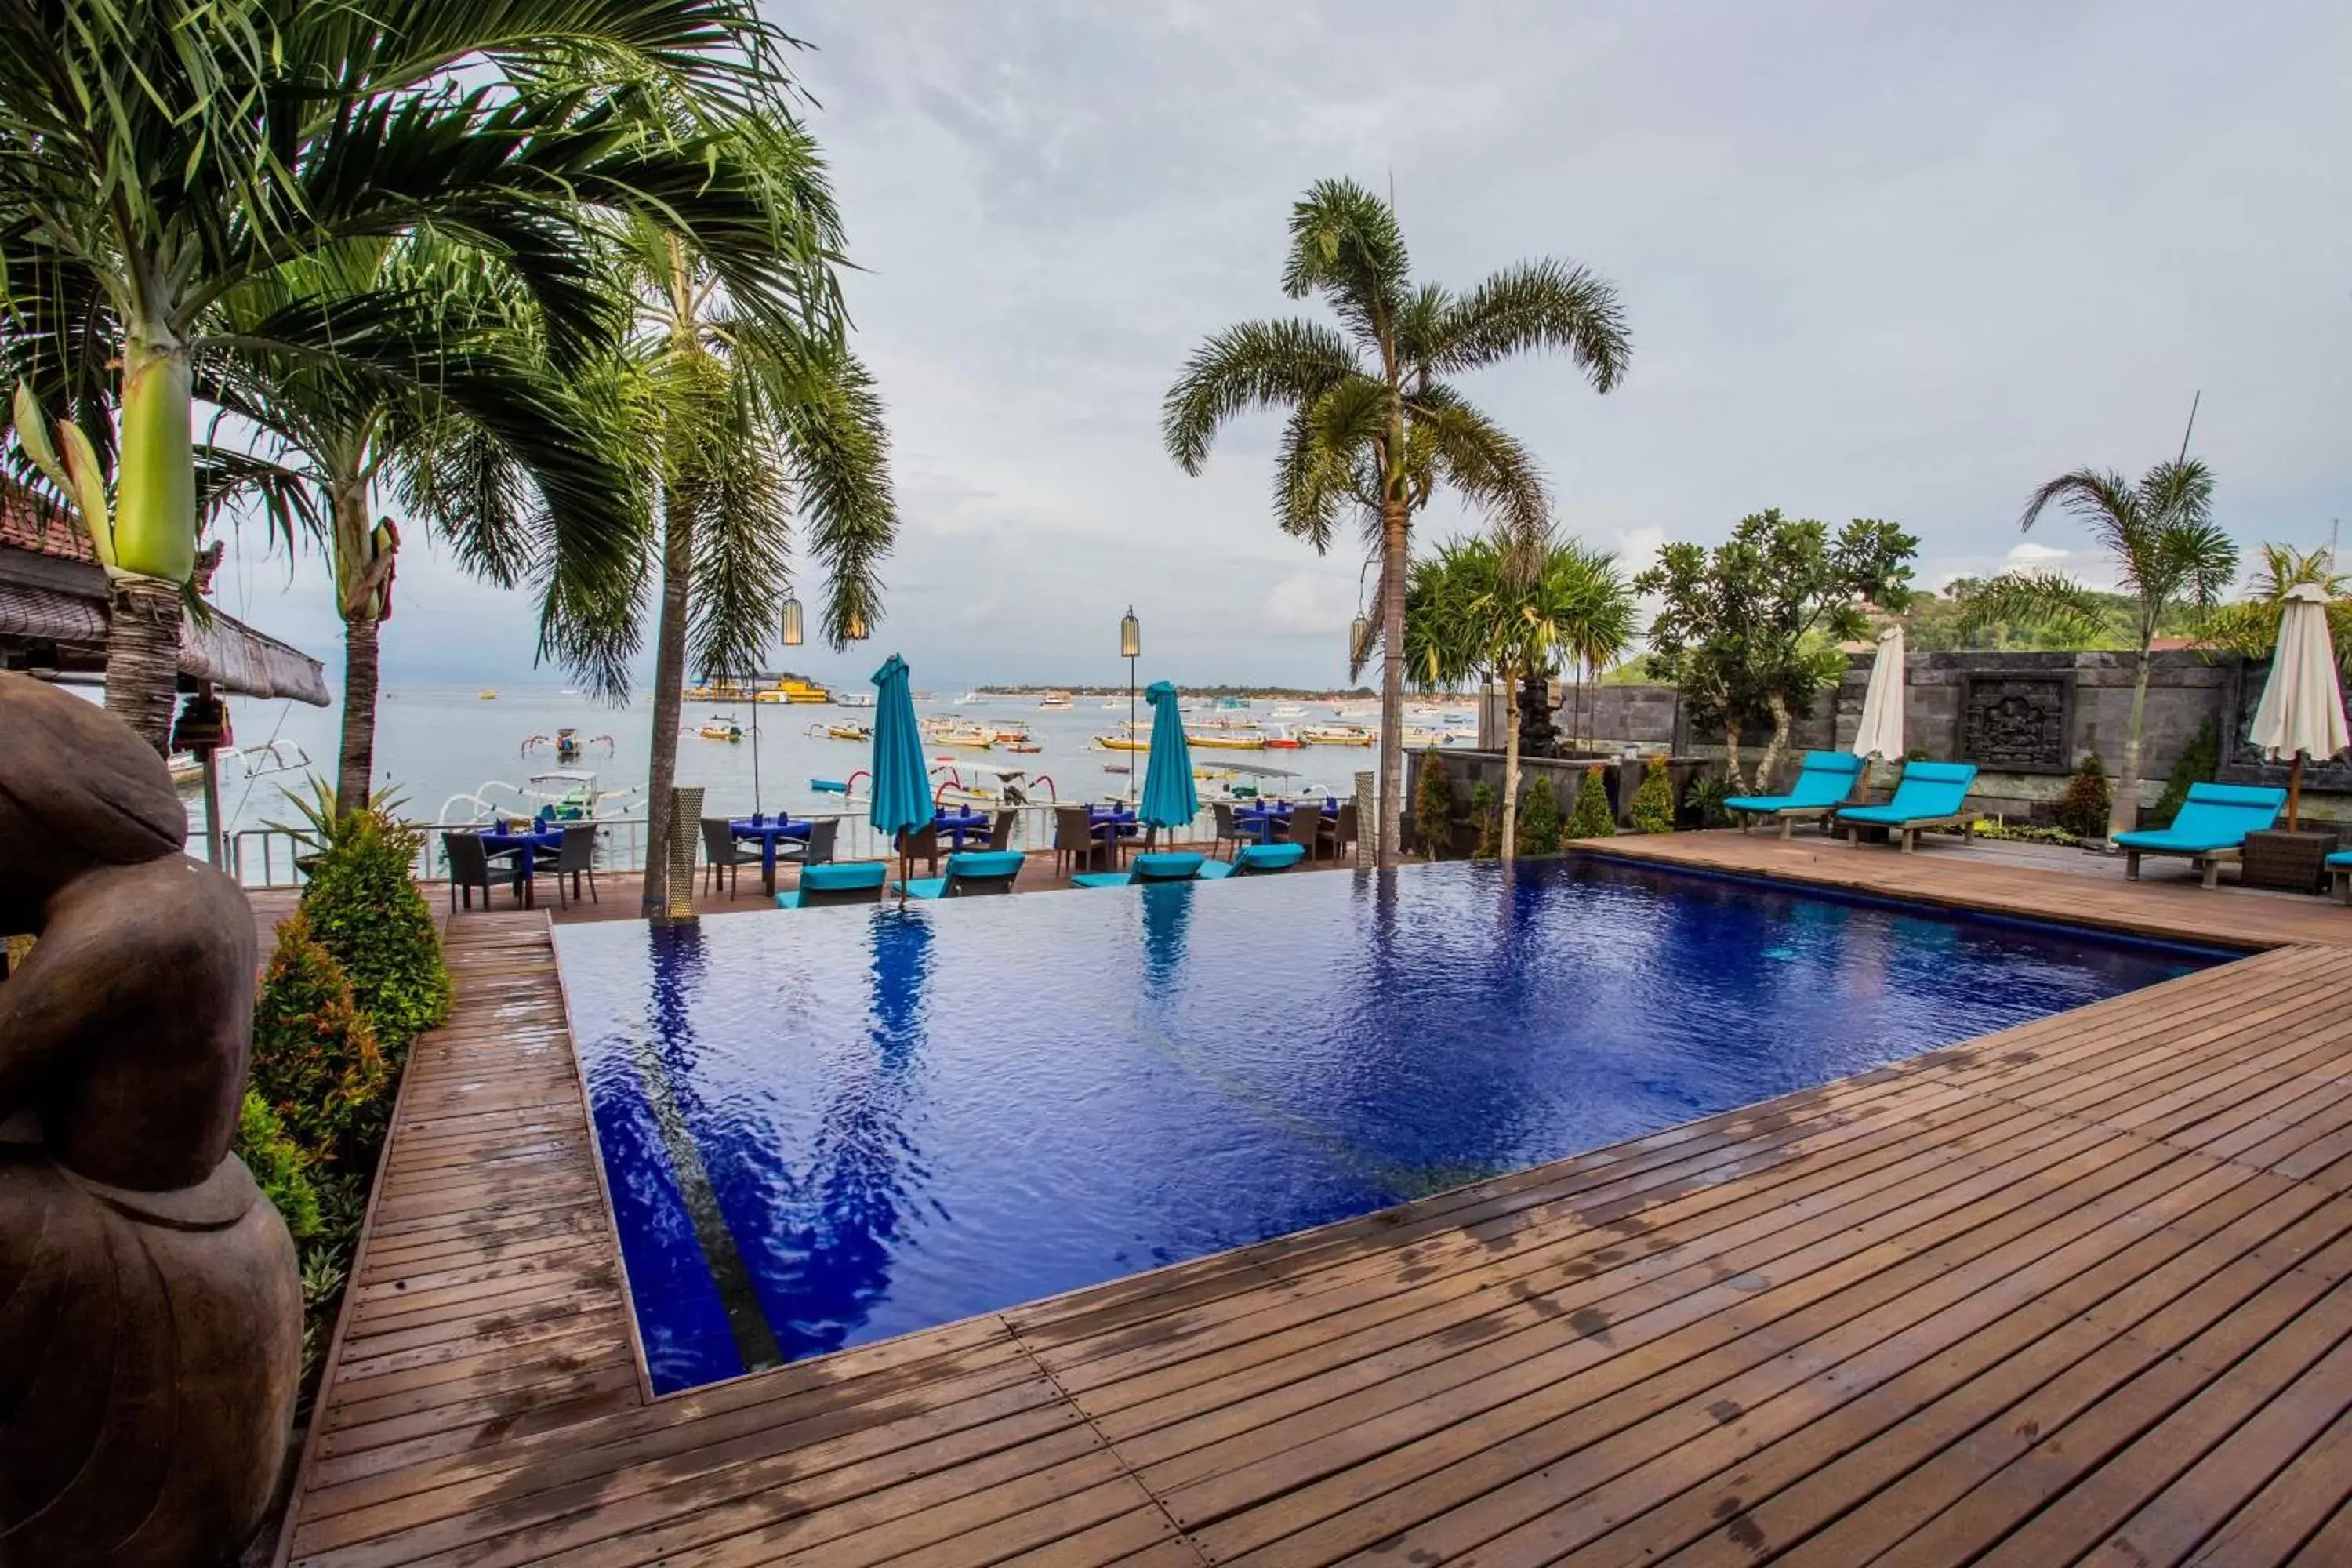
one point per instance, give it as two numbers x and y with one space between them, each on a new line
902 785
1168 798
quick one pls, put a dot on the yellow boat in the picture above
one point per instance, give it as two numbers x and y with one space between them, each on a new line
792 689
1230 743
1336 735
849 731
1122 743
489 696
723 730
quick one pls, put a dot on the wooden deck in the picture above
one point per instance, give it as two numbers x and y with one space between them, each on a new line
2079 1291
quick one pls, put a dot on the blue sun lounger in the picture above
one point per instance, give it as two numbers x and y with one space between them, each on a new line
1931 795
1163 867
1823 783
2211 828
840 882
1256 861
970 875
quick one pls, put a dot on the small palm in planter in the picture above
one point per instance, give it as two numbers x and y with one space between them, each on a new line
1591 818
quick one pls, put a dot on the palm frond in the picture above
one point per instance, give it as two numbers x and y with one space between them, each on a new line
2036 598
1257 365
1540 304
1345 245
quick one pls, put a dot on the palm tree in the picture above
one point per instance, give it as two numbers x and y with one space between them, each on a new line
1475 609
156 156
739 420
454 406
2250 627
2167 552
1374 424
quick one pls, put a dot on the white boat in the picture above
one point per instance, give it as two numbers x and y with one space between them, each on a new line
575 794
968 699
1056 702
853 699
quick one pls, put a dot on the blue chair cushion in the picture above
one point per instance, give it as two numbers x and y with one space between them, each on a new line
841 876
2341 859
922 887
1101 879
1928 790
1270 857
985 863
1171 867
2214 817
1824 779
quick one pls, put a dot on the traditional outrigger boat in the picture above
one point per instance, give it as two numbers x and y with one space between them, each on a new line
720 726
842 732
565 795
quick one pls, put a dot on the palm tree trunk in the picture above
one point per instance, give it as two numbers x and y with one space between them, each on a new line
2124 813
1510 790
361 597
1392 569
669 688
155 531
142 657
356 767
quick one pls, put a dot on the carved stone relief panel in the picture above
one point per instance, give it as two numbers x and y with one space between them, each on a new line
2018 723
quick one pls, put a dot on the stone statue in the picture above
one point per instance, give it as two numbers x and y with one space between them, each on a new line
150 1304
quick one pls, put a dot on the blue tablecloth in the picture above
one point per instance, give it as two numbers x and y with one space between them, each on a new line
768 832
500 842
957 823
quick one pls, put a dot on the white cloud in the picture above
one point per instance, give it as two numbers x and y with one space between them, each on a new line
1311 604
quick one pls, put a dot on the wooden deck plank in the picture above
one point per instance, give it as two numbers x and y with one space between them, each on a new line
2079 1290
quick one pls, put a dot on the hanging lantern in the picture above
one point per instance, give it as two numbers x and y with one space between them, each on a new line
792 622
1131 635
1360 640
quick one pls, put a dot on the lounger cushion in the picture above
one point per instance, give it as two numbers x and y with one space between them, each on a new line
2168 841
1927 793
1270 857
1101 879
1825 778
2341 860
2214 817
985 863
1168 867
841 876
921 887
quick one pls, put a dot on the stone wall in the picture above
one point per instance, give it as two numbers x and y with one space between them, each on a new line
2026 720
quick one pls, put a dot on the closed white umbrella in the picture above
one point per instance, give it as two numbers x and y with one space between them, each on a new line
2302 712
1881 733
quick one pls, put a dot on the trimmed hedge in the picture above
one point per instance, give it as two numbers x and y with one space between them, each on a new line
366 912
1591 818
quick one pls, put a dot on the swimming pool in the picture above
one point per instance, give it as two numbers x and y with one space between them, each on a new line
826 1127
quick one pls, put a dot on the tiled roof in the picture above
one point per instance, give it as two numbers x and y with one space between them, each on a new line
21 529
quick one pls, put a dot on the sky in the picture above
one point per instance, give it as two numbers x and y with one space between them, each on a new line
1878 261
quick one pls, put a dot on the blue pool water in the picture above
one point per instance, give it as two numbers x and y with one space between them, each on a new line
825 1127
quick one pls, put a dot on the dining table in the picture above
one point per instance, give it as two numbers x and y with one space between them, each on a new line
957 823
1112 823
770 832
524 840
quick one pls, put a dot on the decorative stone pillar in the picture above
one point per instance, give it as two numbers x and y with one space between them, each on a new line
1368 824
685 833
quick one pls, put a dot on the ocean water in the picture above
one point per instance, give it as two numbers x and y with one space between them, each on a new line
434 744
822 1128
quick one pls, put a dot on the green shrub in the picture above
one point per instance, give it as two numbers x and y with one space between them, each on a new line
1707 794
316 1061
366 912
1591 818
279 1165
2201 764
1654 803
2084 808
1487 811
1432 808
1539 818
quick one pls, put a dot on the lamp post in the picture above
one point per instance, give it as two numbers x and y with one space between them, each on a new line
1130 647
